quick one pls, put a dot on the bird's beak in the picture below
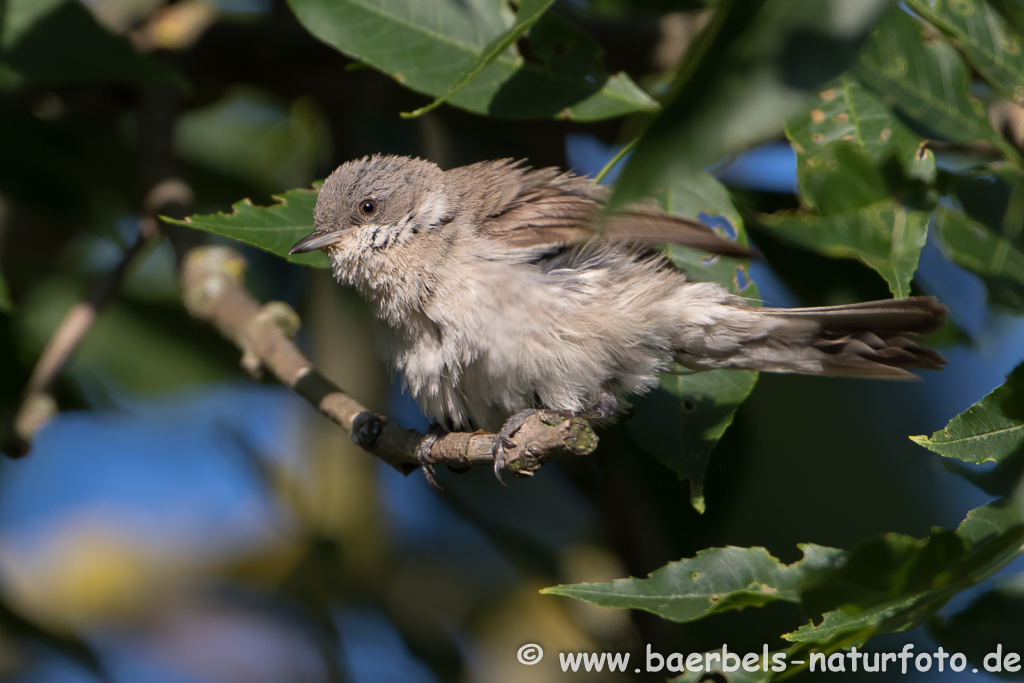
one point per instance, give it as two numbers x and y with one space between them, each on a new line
317 240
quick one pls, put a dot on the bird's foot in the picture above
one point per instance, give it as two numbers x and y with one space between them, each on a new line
423 453
605 407
504 440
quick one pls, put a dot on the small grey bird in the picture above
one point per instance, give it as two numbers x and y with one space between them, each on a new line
502 289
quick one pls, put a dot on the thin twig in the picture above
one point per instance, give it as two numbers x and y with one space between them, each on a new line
213 291
38 404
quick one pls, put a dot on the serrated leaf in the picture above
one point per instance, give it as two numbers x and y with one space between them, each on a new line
991 430
925 78
272 228
60 42
681 421
715 580
751 67
996 259
527 15
851 629
885 236
990 43
430 47
894 582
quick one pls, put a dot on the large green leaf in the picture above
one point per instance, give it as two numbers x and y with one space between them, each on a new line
681 421
925 78
846 113
990 42
999 261
527 15
885 236
991 430
271 228
716 580
894 582
432 47
58 42
757 62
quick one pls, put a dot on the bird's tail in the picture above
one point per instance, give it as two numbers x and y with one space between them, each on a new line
872 339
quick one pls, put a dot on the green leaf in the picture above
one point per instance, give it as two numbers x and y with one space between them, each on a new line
716 580
754 64
1012 11
992 520
852 629
60 42
885 236
684 417
991 430
527 15
271 228
431 47
681 421
926 79
990 43
895 583
848 114
983 251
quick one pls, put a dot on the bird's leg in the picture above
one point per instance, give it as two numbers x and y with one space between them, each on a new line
605 407
423 452
504 438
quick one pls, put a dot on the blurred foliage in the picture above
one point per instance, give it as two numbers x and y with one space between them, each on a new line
888 108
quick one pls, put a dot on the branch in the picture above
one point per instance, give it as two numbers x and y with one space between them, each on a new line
213 291
38 404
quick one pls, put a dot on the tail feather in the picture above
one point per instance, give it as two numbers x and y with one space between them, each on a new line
871 339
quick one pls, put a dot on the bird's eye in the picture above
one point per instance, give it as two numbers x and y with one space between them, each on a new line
368 207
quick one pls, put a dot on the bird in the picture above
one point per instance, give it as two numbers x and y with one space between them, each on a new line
499 290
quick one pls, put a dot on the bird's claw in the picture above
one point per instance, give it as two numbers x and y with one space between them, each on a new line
423 454
503 441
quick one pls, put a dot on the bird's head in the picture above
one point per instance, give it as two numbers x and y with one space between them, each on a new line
374 203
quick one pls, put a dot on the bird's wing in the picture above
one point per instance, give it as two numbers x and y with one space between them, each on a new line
545 209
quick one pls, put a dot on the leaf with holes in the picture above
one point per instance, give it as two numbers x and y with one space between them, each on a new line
715 580
885 236
432 47
684 417
846 113
991 430
756 62
271 228
990 42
